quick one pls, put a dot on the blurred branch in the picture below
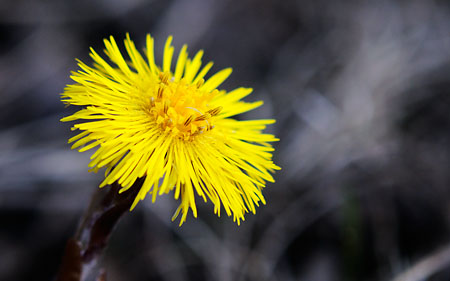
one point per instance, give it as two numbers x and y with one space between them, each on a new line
83 250
427 266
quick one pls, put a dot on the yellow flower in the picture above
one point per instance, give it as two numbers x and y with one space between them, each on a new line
171 127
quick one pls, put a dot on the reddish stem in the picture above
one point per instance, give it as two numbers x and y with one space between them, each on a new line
83 250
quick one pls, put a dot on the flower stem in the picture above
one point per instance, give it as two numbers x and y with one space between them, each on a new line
91 238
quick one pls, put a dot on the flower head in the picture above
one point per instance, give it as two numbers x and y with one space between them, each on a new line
172 127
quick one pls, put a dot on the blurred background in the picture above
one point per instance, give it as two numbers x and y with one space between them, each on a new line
361 94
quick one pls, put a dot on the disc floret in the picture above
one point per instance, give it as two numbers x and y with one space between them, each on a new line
181 109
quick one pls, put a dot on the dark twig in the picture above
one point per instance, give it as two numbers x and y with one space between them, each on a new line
84 249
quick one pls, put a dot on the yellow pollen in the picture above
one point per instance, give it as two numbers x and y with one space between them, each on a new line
179 107
160 93
164 77
200 83
215 111
203 117
188 121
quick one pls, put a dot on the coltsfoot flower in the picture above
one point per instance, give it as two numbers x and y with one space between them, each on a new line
173 127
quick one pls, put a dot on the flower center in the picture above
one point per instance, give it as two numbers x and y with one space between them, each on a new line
179 108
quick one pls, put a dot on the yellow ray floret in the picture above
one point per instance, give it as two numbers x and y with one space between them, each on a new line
171 128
